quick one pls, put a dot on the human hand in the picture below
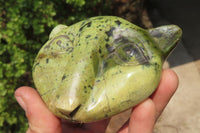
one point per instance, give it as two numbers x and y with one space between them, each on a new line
142 120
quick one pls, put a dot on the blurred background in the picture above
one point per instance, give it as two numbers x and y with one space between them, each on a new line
26 24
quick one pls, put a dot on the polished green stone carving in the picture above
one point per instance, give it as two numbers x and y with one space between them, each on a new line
101 66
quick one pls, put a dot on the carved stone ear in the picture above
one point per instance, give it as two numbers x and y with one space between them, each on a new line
166 37
57 29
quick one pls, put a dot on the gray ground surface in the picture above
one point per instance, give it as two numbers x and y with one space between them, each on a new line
182 114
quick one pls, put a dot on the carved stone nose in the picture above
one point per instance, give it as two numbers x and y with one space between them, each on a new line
75 87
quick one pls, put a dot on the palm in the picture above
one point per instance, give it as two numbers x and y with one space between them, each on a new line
96 127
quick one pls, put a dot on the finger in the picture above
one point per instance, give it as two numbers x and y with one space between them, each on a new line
142 118
94 127
40 119
165 90
124 128
99 126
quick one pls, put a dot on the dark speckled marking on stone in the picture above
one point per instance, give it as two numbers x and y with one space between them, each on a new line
105 64
147 41
88 36
107 39
35 66
81 28
89 24
147 64
70 49
118 22
156 66
110 32
57 96
86 25
109 48
100 51
64 77
90 87
155 47
47 60
106 21
98 81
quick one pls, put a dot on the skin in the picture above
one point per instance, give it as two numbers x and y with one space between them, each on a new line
79 71
142 120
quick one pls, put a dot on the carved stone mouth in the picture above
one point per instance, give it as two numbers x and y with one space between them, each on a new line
69 114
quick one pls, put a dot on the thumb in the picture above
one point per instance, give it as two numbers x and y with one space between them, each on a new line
40 119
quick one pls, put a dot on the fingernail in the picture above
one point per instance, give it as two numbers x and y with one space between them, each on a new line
21 102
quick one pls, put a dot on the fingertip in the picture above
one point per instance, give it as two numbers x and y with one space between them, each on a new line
144 109
171 74
143 117
165 90
39 117
20 93
22 90
168 84
172 78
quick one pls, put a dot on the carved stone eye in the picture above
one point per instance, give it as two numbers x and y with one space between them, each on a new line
126 53
130 54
